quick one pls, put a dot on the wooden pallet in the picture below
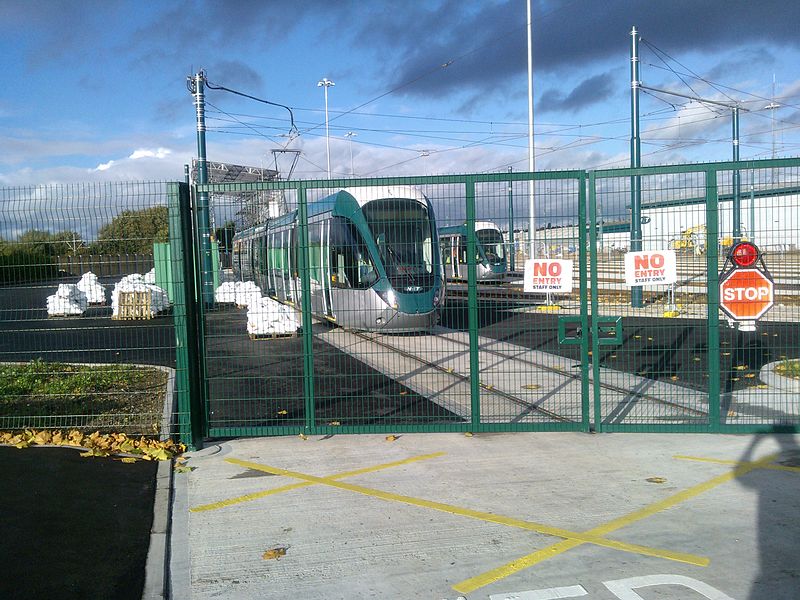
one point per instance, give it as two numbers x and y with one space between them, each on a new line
134 305
272 336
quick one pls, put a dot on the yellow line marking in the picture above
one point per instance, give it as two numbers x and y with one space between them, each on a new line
734 462
588 538
294 486
473 583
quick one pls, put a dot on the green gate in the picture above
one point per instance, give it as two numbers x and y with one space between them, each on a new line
581 350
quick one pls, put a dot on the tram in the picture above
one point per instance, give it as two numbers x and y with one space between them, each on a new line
374 261
491 255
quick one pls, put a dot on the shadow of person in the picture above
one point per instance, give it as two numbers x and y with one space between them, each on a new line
778 525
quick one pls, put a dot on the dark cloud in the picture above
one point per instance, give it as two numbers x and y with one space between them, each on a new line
488 40
590 91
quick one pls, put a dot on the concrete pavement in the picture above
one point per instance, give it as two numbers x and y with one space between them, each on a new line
492 516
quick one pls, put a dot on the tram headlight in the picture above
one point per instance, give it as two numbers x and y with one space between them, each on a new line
438 297
389 298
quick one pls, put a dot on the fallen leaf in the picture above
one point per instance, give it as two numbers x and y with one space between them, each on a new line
391 438
656 479
468 434
275 553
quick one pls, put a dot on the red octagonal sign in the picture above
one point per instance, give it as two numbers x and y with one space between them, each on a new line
746 294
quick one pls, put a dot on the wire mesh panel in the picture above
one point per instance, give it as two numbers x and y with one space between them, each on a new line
649 310
758 372
80 288
666 334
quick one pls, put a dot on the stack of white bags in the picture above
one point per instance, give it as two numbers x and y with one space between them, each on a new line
266 316
240 293
159 300
68 300
89 285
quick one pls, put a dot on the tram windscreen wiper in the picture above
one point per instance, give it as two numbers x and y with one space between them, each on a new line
398 264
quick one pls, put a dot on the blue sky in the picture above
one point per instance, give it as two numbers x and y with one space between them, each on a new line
95 90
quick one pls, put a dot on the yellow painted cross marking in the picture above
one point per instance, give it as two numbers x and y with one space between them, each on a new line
294 486
470 585
572 536
733 462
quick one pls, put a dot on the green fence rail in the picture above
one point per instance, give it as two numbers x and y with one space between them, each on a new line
495 329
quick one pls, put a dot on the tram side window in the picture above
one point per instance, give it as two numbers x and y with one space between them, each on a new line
445 246
351 264
462 250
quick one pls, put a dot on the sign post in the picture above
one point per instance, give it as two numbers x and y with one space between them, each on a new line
746 293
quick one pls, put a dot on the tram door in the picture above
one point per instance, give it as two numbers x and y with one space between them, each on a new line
327 270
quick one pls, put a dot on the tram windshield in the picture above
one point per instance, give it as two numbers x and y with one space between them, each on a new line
402 231
491 241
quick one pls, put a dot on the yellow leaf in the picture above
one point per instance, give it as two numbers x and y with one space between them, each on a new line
275 553
128 459
57 437
43 437
656 480
334 423
391 438
283 412
741 367
183 469
468 434
303 436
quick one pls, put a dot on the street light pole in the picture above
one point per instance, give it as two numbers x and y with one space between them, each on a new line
326 83
350 135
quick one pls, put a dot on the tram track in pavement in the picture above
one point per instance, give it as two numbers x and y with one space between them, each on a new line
629 394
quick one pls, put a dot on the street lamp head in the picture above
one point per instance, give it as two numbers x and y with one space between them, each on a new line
325 82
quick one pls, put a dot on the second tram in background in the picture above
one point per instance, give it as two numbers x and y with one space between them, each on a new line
373 257
491 265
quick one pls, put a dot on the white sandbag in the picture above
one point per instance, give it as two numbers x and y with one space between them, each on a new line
68 300
270 317
226 293
247 292
94 290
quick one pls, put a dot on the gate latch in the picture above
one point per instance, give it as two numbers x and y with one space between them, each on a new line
609 331
569 330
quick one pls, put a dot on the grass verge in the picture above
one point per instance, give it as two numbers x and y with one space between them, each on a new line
120 398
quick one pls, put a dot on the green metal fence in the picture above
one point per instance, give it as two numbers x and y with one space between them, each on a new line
584 349
64 252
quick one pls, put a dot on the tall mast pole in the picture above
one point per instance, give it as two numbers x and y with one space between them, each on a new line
531 158
636 162
196 85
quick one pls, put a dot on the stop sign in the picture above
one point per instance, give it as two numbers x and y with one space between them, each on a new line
746 294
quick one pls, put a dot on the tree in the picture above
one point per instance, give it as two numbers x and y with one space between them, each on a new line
133 232
35 241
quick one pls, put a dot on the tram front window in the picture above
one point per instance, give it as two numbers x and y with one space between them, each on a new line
402 232
493 246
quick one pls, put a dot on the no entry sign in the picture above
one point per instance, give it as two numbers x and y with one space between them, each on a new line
746 294
548 275
654 267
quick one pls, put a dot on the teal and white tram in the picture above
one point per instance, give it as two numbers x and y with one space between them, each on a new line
374 261
491 252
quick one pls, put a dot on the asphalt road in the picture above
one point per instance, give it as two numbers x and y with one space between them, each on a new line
73 527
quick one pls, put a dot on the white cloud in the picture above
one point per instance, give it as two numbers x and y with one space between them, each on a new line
146 153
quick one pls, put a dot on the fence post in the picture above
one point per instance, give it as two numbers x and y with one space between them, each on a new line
472 306
191 410
584 291
712 291
305 303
